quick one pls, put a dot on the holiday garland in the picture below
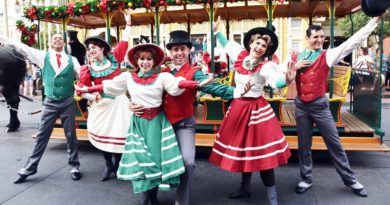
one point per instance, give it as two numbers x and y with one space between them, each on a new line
106 6
28 32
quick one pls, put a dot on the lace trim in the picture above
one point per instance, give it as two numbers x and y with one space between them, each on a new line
240 67
107 71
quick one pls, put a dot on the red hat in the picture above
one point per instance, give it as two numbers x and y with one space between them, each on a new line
158 55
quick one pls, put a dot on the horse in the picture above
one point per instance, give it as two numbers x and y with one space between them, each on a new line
12 72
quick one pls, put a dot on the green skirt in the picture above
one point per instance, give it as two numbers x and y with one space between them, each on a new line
151 156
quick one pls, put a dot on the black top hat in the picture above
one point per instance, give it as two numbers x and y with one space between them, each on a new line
99 40
178 37
375 7
72 34
262 31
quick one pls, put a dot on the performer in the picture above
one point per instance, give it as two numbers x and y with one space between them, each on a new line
76 49
257 142
151 157
312 105
108 117
59 71
183 120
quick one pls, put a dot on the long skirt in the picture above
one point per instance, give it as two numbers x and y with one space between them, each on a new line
151 157
250 138
108 123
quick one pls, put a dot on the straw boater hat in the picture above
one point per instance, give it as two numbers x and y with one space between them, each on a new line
92 39
177 38
158 55
262 31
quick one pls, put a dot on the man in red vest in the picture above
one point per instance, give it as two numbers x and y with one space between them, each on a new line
312 105
179 109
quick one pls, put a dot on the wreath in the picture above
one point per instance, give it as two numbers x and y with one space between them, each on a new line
106 6
28 32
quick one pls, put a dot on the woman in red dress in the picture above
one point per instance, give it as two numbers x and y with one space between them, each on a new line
108 117
250 138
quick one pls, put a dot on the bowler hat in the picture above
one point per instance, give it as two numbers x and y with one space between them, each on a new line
375 7
158 55
97 39
178 37
262 31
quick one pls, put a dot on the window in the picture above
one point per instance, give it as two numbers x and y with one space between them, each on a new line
197 41
295 46
237 38
296 32
296 23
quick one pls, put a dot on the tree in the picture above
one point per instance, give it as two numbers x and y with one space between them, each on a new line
360 19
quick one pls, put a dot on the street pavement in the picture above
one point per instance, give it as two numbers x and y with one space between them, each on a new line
52 184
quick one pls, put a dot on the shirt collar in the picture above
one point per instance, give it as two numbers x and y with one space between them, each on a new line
309 55
55 52
176 67
147 74
103 62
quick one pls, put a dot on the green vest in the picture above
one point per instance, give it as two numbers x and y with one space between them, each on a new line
60 86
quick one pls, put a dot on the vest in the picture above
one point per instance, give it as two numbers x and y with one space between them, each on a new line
313 82
60 86
180 107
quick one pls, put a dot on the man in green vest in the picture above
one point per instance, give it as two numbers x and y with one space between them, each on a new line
59 70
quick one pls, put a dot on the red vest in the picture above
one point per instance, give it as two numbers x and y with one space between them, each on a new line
313 82
177 108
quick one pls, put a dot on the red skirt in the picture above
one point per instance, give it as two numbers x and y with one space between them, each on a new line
250 138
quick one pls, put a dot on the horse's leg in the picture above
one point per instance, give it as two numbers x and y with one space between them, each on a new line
12 99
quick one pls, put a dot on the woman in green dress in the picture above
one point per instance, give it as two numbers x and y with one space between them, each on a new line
151 158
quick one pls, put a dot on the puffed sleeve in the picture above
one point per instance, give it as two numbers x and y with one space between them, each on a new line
117 86
85 80
85 76
120 51
171 84
273 75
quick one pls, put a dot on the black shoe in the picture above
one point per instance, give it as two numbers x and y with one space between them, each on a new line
154 201
75 175
360 192
302 189
10 129
240 193
22 178
144 202
106 174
